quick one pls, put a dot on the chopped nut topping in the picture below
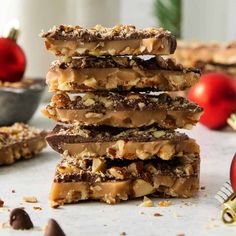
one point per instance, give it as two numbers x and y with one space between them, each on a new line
116 172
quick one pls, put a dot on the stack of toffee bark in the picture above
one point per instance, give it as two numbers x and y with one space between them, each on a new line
117 140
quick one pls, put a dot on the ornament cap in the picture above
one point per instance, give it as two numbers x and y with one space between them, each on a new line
12 30
229 210
13 34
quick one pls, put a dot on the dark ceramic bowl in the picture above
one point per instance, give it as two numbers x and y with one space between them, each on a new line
19 104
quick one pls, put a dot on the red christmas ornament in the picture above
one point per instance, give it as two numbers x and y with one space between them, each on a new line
216 93
12 58
233 173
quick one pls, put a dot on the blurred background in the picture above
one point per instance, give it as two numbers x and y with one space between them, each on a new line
198 19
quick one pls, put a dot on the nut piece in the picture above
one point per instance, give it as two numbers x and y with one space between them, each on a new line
89 102
141 105
93 115
135 168
165 203
151 168
117 172
66 169
147 202
158 134
166 151
60 100
142 188
112 51
98 165
81 50
30 199
142 154
188 169
92 82
37 208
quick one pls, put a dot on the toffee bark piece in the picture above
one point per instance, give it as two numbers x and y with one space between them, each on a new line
71 41
113 143
164 178
211 66
124 110
20 141
120 74
197 53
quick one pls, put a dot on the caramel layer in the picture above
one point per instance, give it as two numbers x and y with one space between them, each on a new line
93 79
112 192
128 119
147 46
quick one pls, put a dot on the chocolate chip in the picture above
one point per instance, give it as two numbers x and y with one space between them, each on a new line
53 229
19 219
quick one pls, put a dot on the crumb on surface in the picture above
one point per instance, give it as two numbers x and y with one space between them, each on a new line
147 202
55 204
123 234
164 203
176 215
37 208
4 225
203 187
30 199
157 214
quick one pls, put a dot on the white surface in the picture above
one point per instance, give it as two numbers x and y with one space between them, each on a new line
197 216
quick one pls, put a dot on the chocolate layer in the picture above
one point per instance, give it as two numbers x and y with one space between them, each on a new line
120 74
100 33
119 40
20 141
113 143
124 110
